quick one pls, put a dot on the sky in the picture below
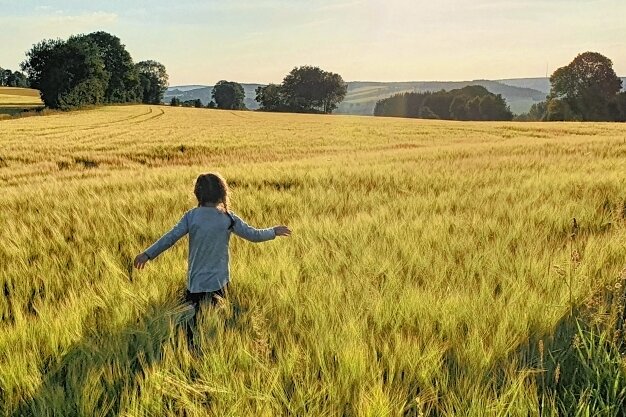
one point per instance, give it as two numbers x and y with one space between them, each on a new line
202 42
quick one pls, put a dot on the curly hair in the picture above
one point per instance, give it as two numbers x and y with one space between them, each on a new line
211 188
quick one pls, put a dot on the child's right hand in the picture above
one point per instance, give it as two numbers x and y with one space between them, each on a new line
141 260
282 231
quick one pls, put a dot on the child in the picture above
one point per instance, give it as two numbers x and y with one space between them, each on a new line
209 226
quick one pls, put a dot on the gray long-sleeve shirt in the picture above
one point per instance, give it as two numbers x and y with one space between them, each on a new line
209 233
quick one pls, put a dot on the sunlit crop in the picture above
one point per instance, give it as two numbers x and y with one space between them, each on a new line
428 263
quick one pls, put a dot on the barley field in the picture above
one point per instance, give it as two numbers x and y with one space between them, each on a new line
435 268
10 96
15 100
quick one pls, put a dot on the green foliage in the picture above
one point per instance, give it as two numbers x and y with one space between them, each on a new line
123 85
229 95
427 113
10 78
584 371
538 112
211 105
305 89
618 107
175 101
89 70
68 74
587 85
459 108
468 103
153 81
269 97
559 111
309 89
590 381
197 103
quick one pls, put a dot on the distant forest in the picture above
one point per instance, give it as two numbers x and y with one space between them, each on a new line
468 103
588 89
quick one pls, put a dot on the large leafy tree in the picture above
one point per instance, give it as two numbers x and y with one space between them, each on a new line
311 89
68 74
334 90
587 85
269 97
123 85
153 81
229 95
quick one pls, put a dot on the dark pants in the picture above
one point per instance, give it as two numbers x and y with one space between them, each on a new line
197 299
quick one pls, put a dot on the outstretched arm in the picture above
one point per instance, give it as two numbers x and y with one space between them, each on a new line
165 242
243 230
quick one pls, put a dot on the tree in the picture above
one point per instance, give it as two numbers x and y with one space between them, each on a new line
494 107
269 97
197 103
587 85
427 113
211 105
401 105
619 106
558 111
10 78
123 86
538 111
473 109
175 101
334 90
18 79
153 81
458 108
228 95
68 74
439 104
312 90
472 102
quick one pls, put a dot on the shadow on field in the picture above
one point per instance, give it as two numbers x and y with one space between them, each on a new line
92 377
576 369
579 366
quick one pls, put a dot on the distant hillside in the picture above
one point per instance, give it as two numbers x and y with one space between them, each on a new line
362 96
520 93
542 84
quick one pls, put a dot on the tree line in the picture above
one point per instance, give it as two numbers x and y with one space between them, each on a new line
473 102
587 89
306 89
10 78
90 70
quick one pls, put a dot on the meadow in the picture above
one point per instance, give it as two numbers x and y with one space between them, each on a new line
435 268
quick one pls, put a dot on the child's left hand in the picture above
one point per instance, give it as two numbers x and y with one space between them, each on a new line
141 260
